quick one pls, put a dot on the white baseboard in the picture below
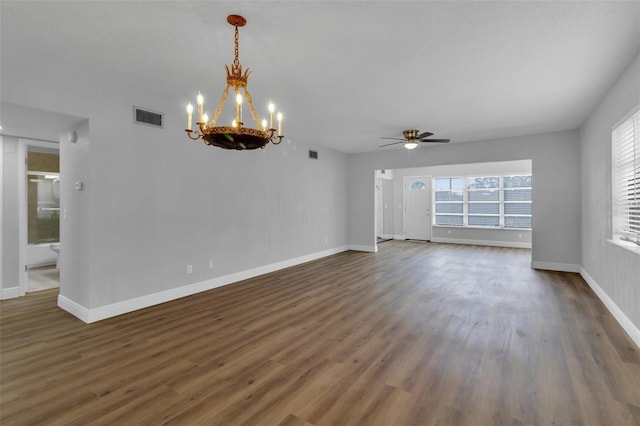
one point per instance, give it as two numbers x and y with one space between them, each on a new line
398 237
74 308
126 306
358 247
551 266
512 244
623 320
10 293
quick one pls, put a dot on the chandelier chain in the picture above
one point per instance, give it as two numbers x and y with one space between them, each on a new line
236 61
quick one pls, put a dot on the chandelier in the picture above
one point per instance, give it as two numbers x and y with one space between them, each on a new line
236 135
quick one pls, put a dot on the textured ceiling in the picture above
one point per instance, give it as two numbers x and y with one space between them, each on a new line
347 73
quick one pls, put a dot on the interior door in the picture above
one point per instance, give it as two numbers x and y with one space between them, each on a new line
417 205
379 210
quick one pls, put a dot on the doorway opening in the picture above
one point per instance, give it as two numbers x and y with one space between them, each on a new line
489 204
43 215
384 205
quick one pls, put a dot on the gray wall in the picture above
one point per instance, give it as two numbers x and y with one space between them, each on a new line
75 221
154 201
614 269
10 218
556 189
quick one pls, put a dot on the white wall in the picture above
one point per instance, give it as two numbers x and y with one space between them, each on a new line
612 269
455 234
556 188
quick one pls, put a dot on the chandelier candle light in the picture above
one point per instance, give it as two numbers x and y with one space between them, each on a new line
235 136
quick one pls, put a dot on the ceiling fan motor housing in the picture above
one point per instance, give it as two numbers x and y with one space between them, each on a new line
410 134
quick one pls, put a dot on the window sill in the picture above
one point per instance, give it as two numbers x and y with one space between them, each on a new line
497 228
632 247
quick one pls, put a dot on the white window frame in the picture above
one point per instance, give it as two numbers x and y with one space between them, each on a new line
625 143
465 202
504 201
499 215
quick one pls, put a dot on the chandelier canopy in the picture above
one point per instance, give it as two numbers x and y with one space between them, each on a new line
235 135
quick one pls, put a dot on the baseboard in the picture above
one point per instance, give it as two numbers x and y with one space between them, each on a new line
126 306
628 326
398 237
10 293
74 308
386 236
551 266
512 244
358 247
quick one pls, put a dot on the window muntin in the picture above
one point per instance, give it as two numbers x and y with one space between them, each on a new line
626 179
484 201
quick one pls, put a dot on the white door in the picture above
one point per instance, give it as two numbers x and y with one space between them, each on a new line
379 211
417 205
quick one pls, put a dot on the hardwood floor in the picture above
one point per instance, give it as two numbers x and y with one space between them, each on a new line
416 334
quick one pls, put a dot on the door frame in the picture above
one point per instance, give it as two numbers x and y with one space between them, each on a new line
23 148
404 203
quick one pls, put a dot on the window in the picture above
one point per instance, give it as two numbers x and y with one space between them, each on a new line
449 196
517 201
483 198
626 179
417 185
483 201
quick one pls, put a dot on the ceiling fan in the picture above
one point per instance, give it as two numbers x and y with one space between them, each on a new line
411 139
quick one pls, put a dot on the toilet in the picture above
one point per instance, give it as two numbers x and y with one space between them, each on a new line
56 247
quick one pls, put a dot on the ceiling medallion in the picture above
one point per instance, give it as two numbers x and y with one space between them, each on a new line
235 135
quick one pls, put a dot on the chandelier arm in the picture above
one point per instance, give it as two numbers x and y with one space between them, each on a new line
216 114
197 135
254 113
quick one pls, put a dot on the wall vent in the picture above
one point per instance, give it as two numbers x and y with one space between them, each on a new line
147 117
313 154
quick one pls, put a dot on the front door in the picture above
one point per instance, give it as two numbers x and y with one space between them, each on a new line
417 204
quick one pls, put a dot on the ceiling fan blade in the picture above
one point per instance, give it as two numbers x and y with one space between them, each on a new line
394 139
435 140
389 144
425 135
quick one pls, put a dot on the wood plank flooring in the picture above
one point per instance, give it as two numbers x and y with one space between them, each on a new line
416 334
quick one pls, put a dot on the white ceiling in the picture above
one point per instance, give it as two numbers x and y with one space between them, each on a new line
347 73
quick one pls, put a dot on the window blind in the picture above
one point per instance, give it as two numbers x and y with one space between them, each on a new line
626 191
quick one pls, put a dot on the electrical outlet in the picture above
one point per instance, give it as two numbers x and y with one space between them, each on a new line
189 269
210 264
